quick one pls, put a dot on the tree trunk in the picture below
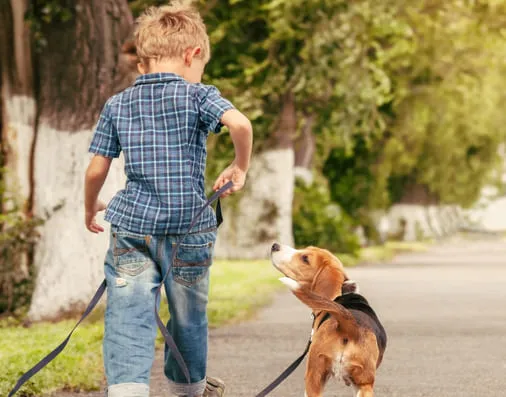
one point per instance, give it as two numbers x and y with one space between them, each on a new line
305 147
48 122
17 122
489 212
18 105
416 194
76 76
263 213
419 215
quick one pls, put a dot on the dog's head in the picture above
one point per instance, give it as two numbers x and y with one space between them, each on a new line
313 268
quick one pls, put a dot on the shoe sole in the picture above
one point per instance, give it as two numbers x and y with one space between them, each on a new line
216 386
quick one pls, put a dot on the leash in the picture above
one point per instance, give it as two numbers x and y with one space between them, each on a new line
166 335
50 357
101 289
292 367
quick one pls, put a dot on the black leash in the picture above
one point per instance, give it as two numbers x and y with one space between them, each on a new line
287 372
100 291
46 360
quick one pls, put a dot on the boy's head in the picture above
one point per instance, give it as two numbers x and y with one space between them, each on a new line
173 35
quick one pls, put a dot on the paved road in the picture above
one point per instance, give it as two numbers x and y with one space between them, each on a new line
444 311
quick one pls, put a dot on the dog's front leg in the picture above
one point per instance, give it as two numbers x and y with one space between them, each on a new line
364 391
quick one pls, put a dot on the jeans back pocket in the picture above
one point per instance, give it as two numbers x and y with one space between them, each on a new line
192 262
131 253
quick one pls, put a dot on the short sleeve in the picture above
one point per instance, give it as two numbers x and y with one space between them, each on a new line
105 140
211 107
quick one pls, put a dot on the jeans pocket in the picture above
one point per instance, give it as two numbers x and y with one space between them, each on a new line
192 262
131 254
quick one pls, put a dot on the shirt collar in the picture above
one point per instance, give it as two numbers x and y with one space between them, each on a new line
152 78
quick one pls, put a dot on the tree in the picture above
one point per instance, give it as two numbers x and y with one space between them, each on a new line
442 124
298 69
58 68
445 129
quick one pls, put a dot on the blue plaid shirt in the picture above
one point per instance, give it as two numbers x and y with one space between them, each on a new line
161 124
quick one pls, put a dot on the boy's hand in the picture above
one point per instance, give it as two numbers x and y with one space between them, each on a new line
93 182
231 173
90 221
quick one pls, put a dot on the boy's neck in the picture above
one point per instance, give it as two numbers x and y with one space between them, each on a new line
166 66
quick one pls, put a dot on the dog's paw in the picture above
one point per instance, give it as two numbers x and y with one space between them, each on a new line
290 283
349 287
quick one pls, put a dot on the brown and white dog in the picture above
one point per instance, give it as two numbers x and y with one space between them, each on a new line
348 339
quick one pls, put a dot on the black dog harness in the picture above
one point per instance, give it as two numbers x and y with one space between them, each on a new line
363 314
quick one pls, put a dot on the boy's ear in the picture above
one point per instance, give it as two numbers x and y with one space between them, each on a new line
141 68
191 53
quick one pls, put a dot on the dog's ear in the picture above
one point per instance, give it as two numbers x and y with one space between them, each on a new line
350 287
328 282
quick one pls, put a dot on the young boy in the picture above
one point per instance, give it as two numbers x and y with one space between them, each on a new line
161 124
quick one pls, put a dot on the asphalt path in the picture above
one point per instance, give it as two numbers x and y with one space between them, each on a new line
444 311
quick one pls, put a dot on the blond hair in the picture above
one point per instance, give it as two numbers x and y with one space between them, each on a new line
167 31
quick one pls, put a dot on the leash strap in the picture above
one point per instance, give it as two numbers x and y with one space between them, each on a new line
169 340
285 374
46 360
100 291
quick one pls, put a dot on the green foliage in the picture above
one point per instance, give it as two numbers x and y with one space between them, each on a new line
444 120
314 50
47 12
412 80
350 175
320 222
17 236
440 123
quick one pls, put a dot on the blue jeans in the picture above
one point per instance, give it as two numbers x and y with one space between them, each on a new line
134 267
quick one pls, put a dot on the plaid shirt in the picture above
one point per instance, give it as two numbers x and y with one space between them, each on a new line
161 124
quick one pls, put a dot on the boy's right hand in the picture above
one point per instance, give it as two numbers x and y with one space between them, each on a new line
231 173
89 218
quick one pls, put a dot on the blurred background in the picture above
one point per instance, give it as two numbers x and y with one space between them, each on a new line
374 121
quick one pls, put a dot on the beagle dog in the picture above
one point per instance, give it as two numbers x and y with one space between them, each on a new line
348 339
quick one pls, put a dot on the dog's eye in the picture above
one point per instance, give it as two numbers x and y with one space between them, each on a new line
305 259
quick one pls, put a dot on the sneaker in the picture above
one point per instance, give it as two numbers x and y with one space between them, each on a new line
215 387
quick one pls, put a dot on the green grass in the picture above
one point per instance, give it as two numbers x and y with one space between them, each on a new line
79 366
389 250
238 289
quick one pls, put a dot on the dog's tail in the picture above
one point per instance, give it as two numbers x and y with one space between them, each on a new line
346 322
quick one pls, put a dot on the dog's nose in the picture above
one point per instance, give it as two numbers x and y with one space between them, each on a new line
275 247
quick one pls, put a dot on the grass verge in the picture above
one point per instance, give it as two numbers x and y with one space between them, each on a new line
389 250
78 367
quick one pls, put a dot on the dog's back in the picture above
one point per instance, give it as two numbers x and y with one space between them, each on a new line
365 317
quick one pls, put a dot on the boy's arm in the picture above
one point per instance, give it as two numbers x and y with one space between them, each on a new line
241 133
94 180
